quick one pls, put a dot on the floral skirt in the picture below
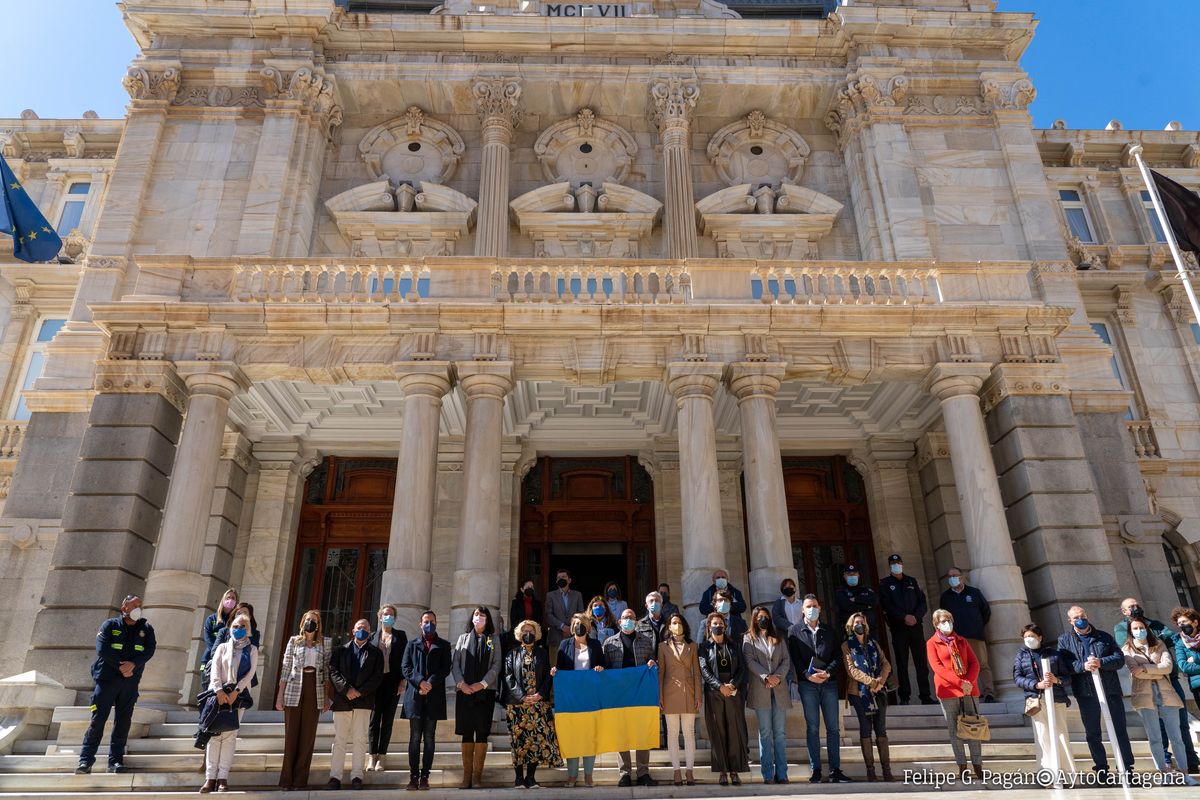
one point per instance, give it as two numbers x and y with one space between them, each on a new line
533 737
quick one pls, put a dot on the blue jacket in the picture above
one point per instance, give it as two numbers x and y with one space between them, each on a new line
1025 676
737 604
1190 669
901 596
970 609
118 641
828 649
1075 649
432 666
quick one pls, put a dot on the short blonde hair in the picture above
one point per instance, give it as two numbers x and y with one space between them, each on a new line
519 629
942 614
865 622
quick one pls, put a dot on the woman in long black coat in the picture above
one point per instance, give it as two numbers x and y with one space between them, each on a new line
723 670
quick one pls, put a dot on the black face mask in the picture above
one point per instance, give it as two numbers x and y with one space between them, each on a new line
1135 611
561 583
665 595
527 638
529 591
718 631
310 626
860 629
763 622
580 629
1188 628
789 591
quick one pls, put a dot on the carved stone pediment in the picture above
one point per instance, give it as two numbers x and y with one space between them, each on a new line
386 222
749 221
412 149
758 150
585 149
564 222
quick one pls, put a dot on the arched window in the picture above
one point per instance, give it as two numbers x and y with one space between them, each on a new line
1175 563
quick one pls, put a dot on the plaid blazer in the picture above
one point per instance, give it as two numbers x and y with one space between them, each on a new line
644 649
292 673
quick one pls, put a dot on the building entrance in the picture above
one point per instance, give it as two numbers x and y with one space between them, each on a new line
593 517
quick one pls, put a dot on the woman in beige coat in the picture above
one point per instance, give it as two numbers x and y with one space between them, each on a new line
679 693
1150 665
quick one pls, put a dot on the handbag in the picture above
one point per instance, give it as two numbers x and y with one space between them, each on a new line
1033 706
973 727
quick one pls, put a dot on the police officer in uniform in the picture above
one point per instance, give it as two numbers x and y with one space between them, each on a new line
904 607
123 646
852 597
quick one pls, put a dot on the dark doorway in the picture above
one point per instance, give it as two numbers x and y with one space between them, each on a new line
591 565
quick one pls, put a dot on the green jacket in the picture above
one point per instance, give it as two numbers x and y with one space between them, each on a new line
1170 638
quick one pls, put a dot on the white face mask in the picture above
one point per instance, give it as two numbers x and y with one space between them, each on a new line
946 627
1032 642
135 613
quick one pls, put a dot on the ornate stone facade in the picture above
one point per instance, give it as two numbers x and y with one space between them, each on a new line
324 232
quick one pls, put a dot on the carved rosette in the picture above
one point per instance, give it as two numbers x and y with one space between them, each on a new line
672 101
498 102
161 85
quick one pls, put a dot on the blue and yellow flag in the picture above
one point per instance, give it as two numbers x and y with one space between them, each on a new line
606 712
33 238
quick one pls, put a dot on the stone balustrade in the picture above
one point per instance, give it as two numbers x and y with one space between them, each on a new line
12 434
1145 443
481 279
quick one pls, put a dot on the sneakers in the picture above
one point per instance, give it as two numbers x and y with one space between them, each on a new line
117 768
837 776
84 768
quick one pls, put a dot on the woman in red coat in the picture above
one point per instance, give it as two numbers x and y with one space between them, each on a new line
955 678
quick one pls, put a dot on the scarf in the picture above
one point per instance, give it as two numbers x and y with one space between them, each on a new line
865 656
951 641
1190 642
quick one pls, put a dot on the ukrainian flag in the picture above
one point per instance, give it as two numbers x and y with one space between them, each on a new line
606 712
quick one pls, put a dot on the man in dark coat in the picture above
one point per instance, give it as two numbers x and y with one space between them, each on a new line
971 615
904 608
426 667
355 670
816 652
1085 650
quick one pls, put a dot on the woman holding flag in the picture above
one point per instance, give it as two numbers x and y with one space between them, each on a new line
580 651
527 680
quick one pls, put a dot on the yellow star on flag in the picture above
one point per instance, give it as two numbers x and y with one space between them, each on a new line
46 230
16 185
32 235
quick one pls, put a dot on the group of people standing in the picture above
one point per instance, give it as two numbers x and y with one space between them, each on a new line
788 653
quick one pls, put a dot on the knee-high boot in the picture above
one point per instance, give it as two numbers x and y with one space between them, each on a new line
885 758
868 758
468 760
481 749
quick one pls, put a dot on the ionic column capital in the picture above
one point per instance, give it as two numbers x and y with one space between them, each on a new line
688 379
672 101
498 104
755 379
430 379
948 380
485 379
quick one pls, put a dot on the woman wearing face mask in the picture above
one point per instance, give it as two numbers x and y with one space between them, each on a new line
301 698
527 680
475 669
1029 675
723 670
767 666
525 604
579 651
612 596
233 666
604 624
1153 697
955 680
868 670
723 604
391 641
1187 649
214 623
680 689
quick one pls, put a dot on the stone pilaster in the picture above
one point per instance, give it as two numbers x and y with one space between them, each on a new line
993 564
694 384
889 500
477 578
175 588
408 581
948 542
1046 483
755 385
672 102
112 515
498 103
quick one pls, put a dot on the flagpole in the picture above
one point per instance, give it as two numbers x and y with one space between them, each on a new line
1180 268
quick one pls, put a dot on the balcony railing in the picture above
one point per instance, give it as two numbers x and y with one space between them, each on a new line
12 434
382 281
1145 443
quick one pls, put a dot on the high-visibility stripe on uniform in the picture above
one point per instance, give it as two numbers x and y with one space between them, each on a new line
118 646
138 647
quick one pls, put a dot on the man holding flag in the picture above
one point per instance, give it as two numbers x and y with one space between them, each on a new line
33 237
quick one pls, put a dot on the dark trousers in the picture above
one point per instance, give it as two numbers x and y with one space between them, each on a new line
300 734
1093 724
1189 759
876 722
910 639
421 728
379 734
118 693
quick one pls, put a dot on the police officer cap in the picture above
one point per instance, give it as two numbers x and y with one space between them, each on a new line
850 568
894 558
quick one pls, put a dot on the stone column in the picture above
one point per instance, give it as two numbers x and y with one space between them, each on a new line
477 578
993 563
408 581
890 502
672 101
694 383
755 386
498 103
175 588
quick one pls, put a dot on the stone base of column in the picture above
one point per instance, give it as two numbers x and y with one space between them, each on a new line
473 587
764 584
410 591
172 605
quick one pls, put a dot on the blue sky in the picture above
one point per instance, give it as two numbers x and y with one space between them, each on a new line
1091 60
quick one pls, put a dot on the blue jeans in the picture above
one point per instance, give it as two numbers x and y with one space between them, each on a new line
772 741
573 766
822 699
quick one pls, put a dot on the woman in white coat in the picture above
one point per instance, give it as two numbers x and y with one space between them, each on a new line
232 670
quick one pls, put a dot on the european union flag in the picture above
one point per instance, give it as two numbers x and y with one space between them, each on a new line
33 238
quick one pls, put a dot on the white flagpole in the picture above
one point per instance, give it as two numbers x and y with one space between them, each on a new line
1112 729
1181 270
1048 699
